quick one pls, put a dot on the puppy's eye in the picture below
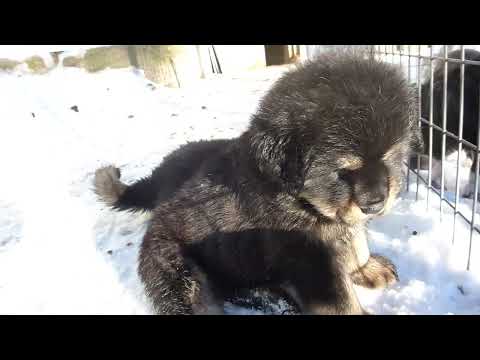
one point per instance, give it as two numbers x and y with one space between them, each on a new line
344 174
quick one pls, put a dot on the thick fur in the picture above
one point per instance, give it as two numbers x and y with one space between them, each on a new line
470 111
284 205
144 194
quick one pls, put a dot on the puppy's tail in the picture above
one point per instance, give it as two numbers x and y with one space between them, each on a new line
139 196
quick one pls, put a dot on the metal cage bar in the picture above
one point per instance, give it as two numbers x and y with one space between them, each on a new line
430 130
419 84
451 60
409 78
475 191
460 135
451 135
444 129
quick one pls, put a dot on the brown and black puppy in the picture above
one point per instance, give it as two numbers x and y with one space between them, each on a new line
285 204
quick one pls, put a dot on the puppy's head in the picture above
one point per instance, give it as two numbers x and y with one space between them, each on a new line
335 132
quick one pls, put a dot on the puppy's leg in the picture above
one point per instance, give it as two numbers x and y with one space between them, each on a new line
322 285
337 297
371 271
173 281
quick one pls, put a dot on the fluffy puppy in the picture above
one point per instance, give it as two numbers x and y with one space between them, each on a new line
285 204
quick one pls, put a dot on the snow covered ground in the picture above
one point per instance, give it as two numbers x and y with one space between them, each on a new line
21 52
61 252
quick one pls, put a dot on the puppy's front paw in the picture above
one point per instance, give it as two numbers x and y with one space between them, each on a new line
378 272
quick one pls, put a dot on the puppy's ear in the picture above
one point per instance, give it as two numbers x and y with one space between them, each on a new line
281 158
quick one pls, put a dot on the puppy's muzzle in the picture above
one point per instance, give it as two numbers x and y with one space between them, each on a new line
374 206
371 188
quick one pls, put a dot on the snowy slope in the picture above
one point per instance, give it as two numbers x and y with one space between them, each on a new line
61 252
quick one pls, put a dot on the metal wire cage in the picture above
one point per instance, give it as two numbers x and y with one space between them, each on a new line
427 67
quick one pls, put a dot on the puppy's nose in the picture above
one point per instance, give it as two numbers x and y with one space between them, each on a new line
374 206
